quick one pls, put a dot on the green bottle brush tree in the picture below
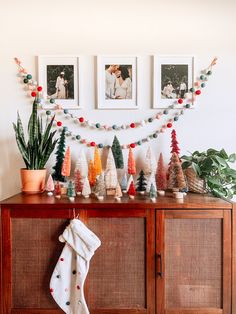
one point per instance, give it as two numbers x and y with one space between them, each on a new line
213 167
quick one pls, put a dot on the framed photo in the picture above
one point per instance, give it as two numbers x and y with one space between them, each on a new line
59 76
117 82
173 77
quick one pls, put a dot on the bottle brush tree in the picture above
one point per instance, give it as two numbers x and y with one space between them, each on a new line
161 180
176 175
117 153
141 182
60 154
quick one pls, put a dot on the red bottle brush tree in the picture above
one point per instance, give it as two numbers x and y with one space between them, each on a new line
132 191
174 143
161 179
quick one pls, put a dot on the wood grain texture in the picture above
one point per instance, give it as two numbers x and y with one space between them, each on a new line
192 201
194 311
234 259
160 251
6 261
227 262
36 311
97 311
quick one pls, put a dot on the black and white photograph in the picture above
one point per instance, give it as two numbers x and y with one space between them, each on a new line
60 81
117 82
59 76
173 77
174 80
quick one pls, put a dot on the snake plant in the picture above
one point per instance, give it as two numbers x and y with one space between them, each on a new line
41 143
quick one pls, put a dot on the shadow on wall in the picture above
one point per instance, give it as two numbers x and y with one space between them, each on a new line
11 162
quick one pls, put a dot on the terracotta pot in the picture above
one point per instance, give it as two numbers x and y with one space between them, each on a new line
33 181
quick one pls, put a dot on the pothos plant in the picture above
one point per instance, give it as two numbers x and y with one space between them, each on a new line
40 144
213 167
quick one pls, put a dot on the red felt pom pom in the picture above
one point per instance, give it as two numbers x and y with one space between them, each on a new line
92 144
62 259
51 290
198 92
33 94
132 125
59 123
132 145
78 287
39 89
169 125
81 119
180 100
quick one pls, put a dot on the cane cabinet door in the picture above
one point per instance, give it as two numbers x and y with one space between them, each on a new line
30 252
193 262
121 279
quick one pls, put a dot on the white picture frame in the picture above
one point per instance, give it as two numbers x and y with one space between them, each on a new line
50 68
111 94
180 70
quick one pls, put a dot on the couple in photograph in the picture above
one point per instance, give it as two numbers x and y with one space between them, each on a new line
174 92
118 82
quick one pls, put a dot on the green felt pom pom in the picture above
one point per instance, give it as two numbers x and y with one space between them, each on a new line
52 101
209 72
176 118
154 135
150 119
202 77
48 112
165 111
139 143
29 76
98 125
114 127
100 145
203 85
78 137
26 81
187 106
192 89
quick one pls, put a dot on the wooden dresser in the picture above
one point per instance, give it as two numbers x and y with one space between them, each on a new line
168 257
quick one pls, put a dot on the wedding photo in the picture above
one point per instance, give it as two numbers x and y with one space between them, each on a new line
174 81
118 81
60 81
59 75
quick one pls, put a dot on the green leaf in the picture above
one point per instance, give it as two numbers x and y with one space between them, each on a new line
212 151
223 154
230 172
197 169
221 161
214 181
232 157
186 164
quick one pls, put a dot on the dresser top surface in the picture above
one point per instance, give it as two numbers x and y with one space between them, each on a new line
168 201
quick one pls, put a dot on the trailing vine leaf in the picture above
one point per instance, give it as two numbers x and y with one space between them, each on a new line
213 167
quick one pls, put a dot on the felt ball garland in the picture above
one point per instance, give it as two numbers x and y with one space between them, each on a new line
36 92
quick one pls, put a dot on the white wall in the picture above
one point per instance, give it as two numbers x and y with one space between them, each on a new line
205 28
